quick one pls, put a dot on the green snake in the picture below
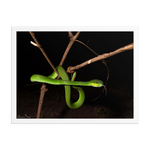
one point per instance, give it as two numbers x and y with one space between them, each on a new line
67 84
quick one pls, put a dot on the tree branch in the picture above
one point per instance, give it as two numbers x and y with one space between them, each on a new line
103 56
72 40
43 88
42 50
43 91
70 34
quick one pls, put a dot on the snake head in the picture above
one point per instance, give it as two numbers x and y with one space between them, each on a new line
96 83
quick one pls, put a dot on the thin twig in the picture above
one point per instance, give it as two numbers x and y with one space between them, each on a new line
42 50
104 62
87 47
103 56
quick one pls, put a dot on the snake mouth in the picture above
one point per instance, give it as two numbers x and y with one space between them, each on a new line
105 90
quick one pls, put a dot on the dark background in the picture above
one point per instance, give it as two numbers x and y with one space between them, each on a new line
119 100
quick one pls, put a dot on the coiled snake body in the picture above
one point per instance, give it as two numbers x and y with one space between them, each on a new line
67 84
